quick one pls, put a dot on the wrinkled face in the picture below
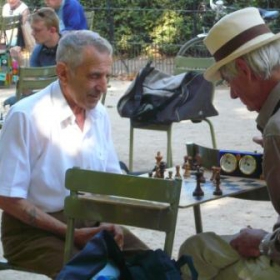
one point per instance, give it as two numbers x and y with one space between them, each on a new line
246 87
13 3
55 4
40 32
86 84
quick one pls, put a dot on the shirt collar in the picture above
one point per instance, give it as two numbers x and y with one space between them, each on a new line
64 111
268 107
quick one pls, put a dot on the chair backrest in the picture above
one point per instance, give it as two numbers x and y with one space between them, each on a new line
209 156
8 24
89 17
34 78
122 199
184 64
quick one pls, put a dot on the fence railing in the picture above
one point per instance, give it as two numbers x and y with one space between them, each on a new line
135 44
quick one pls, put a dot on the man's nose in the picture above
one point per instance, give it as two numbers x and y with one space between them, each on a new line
102 85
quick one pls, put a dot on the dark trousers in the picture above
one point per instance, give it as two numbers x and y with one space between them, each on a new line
41 251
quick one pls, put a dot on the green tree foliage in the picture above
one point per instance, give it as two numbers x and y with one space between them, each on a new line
137 25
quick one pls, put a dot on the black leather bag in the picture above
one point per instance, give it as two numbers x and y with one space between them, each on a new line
146 265
156 97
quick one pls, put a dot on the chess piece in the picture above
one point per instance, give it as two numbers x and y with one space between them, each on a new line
214 173
177 174
218 190
158 158
162 167
202 178
170 173
157 174
198 190
187 169
198 160
190 160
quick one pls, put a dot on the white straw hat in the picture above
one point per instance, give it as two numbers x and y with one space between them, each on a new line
234 35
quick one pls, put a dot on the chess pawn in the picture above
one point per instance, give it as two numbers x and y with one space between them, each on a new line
177 174
213 168
187 168
170 173
218 190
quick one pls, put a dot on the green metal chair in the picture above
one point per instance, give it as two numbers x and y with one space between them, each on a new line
121 199
181 64
32 79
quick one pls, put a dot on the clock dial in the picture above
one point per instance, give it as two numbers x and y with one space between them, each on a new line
247 164
228 162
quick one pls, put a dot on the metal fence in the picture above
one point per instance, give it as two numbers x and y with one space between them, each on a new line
133 51
133 48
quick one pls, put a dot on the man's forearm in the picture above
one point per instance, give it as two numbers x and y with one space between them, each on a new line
28 213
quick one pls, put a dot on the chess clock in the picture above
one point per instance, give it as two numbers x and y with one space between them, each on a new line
240 164
228 162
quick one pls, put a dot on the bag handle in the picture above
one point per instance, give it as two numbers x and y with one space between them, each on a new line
140 80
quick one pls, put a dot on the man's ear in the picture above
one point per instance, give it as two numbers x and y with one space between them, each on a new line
244 69
62 72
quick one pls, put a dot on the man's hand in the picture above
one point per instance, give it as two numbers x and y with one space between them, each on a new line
83 235
246 243
258 140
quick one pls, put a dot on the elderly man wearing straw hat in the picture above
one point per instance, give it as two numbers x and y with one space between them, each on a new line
247 56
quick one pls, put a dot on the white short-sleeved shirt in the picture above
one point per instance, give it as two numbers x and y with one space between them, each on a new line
40 140
6 10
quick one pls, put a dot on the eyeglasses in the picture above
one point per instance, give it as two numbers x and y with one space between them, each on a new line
225 81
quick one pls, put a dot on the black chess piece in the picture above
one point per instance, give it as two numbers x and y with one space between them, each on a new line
162 168
202 178
198 190
218 190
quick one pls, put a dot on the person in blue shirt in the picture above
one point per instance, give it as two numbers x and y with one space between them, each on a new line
71 14
45 30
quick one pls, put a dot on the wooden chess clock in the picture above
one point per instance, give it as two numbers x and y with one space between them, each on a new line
241 164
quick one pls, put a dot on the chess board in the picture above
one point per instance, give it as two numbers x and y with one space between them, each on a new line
229 185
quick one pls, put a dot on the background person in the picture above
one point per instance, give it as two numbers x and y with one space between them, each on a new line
15 8
247 57
45 29
71 14
37 147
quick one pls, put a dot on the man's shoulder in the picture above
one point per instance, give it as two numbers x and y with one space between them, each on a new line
73 4
35 102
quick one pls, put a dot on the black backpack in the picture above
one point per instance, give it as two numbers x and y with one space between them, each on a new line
158 98
146 265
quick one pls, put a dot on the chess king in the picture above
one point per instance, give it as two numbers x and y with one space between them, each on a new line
247 58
